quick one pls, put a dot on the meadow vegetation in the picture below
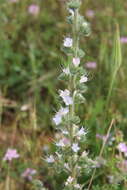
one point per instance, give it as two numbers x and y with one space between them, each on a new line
31 59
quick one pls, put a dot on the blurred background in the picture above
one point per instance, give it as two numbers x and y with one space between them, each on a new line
31 35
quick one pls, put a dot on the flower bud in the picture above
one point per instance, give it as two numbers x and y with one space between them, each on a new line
85 28
74 4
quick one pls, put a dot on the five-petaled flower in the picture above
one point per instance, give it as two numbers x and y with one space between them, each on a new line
122 147
65 95
11 154
68 42
81 132
75 147
50 159
58 117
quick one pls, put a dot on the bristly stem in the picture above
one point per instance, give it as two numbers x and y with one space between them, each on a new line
75 48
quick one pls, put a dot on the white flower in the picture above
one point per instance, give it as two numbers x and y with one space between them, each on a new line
75 147
25 107
68 42
65 95
66 71
60 143
65 132
50 159
57 119
77 186
63 111
81 132
83 79
76 61
69 180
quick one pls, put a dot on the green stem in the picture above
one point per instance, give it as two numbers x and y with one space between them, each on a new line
73 86
8 181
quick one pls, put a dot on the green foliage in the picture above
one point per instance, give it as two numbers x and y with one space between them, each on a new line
29 61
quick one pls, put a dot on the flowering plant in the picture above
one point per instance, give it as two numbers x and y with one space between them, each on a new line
69 157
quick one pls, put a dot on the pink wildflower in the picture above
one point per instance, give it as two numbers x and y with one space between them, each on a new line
90 13
76 61
123 40
91 65
34 9
122 147
10 154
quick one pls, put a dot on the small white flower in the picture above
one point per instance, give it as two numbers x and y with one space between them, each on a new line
75 147
57 119
68 42
77 186
76 61
83 79
60 143
65 132
69 180
68 100
66 71
63 111
65 95
50 159
25 107
81 132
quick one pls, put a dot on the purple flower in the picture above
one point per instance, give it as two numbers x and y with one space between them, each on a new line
123 40
68 42
90 13
122 147
34 9
28 173
91 65
10 154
